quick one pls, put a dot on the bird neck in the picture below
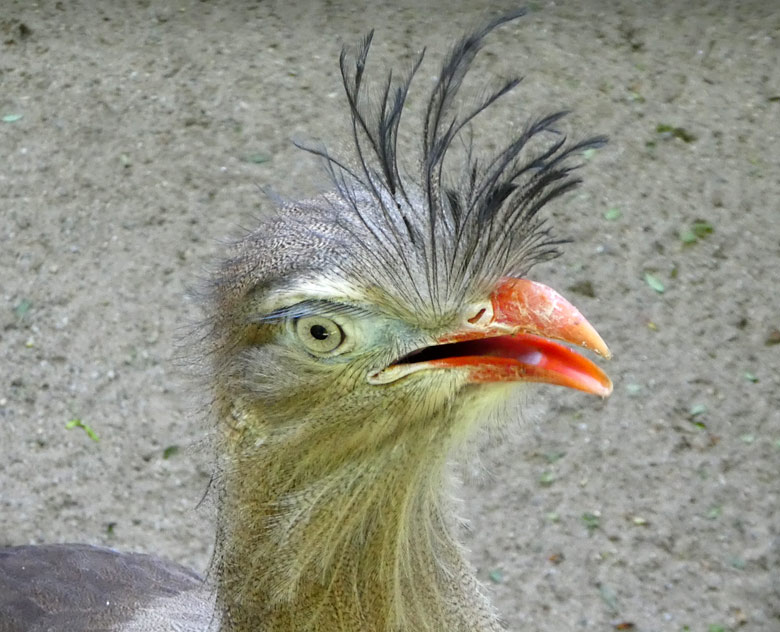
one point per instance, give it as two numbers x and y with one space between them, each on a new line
313 538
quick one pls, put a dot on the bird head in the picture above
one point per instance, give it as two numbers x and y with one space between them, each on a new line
393 303
327 337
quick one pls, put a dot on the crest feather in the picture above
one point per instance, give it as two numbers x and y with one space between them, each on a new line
448 238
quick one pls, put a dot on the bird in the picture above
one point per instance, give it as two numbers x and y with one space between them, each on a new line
356 342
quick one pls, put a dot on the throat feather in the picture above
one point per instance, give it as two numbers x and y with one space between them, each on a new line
365 546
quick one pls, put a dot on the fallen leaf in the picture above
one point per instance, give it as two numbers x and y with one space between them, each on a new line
654 282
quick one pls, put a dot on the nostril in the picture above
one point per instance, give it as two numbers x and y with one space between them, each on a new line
483 314
475 319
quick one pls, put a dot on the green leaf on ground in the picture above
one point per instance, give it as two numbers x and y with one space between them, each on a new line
714 512
22 308
554 456
77 423
654 282
695 411
738 563
591 521
699 229
609 597
257 158
170 451
633 389
676 132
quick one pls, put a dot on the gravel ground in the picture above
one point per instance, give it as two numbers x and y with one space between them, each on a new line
137 136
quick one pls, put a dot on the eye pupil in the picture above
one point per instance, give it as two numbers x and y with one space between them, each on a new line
320 335
319 332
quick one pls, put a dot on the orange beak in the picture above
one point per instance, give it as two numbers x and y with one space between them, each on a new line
512 341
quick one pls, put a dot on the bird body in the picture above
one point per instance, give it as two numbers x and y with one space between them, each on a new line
82 588
356 341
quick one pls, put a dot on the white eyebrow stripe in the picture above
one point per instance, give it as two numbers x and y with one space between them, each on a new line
310 291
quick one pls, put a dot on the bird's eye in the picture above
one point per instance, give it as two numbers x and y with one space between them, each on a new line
319 334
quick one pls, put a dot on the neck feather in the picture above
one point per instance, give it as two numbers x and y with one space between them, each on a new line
311 541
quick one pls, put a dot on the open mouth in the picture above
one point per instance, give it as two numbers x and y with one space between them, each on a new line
440 352
512 358
517 343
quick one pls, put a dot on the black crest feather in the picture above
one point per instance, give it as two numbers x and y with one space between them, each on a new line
445 236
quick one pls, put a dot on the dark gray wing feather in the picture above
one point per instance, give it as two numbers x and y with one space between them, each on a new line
81 588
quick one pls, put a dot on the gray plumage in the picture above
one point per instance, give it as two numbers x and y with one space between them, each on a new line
81 588
333 511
